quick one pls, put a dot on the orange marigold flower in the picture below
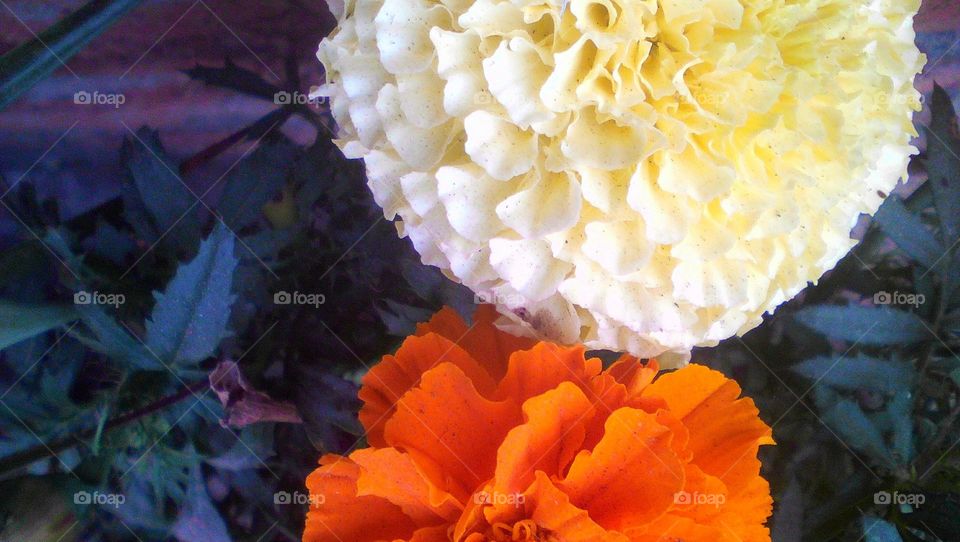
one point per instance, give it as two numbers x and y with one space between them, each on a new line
477 436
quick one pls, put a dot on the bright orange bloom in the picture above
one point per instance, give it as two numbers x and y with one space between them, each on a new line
477 435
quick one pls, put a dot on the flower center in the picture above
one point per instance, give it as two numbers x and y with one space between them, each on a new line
525 530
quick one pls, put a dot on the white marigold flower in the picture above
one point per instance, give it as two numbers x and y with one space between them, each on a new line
639 175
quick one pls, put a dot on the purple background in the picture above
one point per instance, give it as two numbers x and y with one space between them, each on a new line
72 150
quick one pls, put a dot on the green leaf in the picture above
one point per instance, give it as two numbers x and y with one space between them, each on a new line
909 232
858 372
943 164
401 319
156 201
878 530
115 341
255 181
900 409
955 376
876 326
190 317
19 322
33 61
856 430
199 518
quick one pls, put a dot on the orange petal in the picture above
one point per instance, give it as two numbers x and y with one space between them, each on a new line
632 373
431 534
549 439
725 436
543 367
450 430
387 473
482 339
725 431
551 509
672 528
339 514
387 381
745 512
632 474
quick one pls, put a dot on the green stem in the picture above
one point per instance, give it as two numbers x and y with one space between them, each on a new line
30 63
19 460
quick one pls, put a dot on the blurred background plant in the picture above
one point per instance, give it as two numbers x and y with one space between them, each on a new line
193 280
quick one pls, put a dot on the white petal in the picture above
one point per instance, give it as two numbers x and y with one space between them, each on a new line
550 205
499 146
470 197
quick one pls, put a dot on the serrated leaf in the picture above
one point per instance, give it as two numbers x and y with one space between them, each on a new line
33 61
254 182
878 530
876 326
858 372
190 317
19 321
156 201
943 164
115 341
855 429
909 232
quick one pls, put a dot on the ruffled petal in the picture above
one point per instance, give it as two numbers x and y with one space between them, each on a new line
635 452
708 403
501 148
550 204
470 197
481 339
395 375
551 508
338 514
553 432
450 430
388 473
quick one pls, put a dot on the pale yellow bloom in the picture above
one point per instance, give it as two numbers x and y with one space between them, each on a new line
639 175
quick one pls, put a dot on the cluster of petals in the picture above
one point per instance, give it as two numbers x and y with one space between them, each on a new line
476 435
635 175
